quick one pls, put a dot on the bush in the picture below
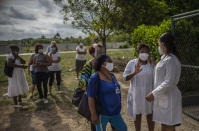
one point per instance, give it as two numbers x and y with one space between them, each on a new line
150 35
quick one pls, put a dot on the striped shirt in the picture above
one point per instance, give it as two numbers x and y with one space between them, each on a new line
86 73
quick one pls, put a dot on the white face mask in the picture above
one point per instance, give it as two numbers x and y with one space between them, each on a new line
109 66
160 50
144 56
40 51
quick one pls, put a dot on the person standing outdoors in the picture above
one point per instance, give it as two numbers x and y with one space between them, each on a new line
41 62
140 73
17 84
55 68
167 108
103 85
49 48
80 58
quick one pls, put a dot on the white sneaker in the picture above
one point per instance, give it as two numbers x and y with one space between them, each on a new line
76 78
17 106
45 101
38 101
60 92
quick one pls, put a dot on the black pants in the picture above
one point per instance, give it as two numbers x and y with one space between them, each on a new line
42 78
58 77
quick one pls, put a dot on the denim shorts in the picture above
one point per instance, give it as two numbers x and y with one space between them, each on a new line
34 78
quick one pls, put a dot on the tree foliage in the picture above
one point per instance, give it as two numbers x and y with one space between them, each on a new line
150 35
181 6
137 12
92 16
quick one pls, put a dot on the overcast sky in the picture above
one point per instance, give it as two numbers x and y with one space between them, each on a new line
31 19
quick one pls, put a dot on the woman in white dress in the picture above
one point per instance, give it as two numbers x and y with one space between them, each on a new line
167 108
17 84
140 73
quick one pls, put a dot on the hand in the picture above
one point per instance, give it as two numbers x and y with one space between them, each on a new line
84 88
94 119
150 97
137 69
38 64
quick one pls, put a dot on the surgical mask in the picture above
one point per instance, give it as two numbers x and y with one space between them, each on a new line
144 56
52 49
109 66
160 50
40 51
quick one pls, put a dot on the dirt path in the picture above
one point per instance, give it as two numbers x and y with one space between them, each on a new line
61 115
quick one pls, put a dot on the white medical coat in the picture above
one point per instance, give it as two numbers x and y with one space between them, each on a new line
167 108
140 85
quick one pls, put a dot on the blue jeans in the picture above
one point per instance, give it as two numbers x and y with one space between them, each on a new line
116 121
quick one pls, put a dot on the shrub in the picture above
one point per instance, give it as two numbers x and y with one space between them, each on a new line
150 35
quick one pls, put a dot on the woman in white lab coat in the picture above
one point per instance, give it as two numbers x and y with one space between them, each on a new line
140 73
167 108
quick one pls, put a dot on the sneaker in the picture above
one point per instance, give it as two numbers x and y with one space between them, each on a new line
76 78
45 101
17 106
38 101
31 96
20 103
60 92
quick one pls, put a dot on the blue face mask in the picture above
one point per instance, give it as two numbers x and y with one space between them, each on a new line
52 49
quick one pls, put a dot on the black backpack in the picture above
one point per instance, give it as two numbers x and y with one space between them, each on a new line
77 96
8 70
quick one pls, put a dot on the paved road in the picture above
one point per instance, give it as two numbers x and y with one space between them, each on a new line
66 52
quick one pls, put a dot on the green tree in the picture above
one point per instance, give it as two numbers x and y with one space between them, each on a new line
57 36
92 16
43 37
150 35
181 6
137 12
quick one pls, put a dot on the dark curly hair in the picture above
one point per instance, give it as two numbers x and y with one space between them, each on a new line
91 50
142 45
168 40
37 47
14 47
100 61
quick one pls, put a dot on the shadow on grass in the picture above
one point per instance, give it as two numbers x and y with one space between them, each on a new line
20 121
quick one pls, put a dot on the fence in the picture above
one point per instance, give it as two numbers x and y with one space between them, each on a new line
185 28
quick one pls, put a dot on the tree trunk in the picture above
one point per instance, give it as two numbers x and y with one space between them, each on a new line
104 43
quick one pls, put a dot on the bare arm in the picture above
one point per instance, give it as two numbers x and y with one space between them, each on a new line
22 60
130 76
30 62
81 53
48 61
94 117
12 64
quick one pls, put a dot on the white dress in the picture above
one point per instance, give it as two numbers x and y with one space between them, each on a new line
140 85
167 107
17 84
